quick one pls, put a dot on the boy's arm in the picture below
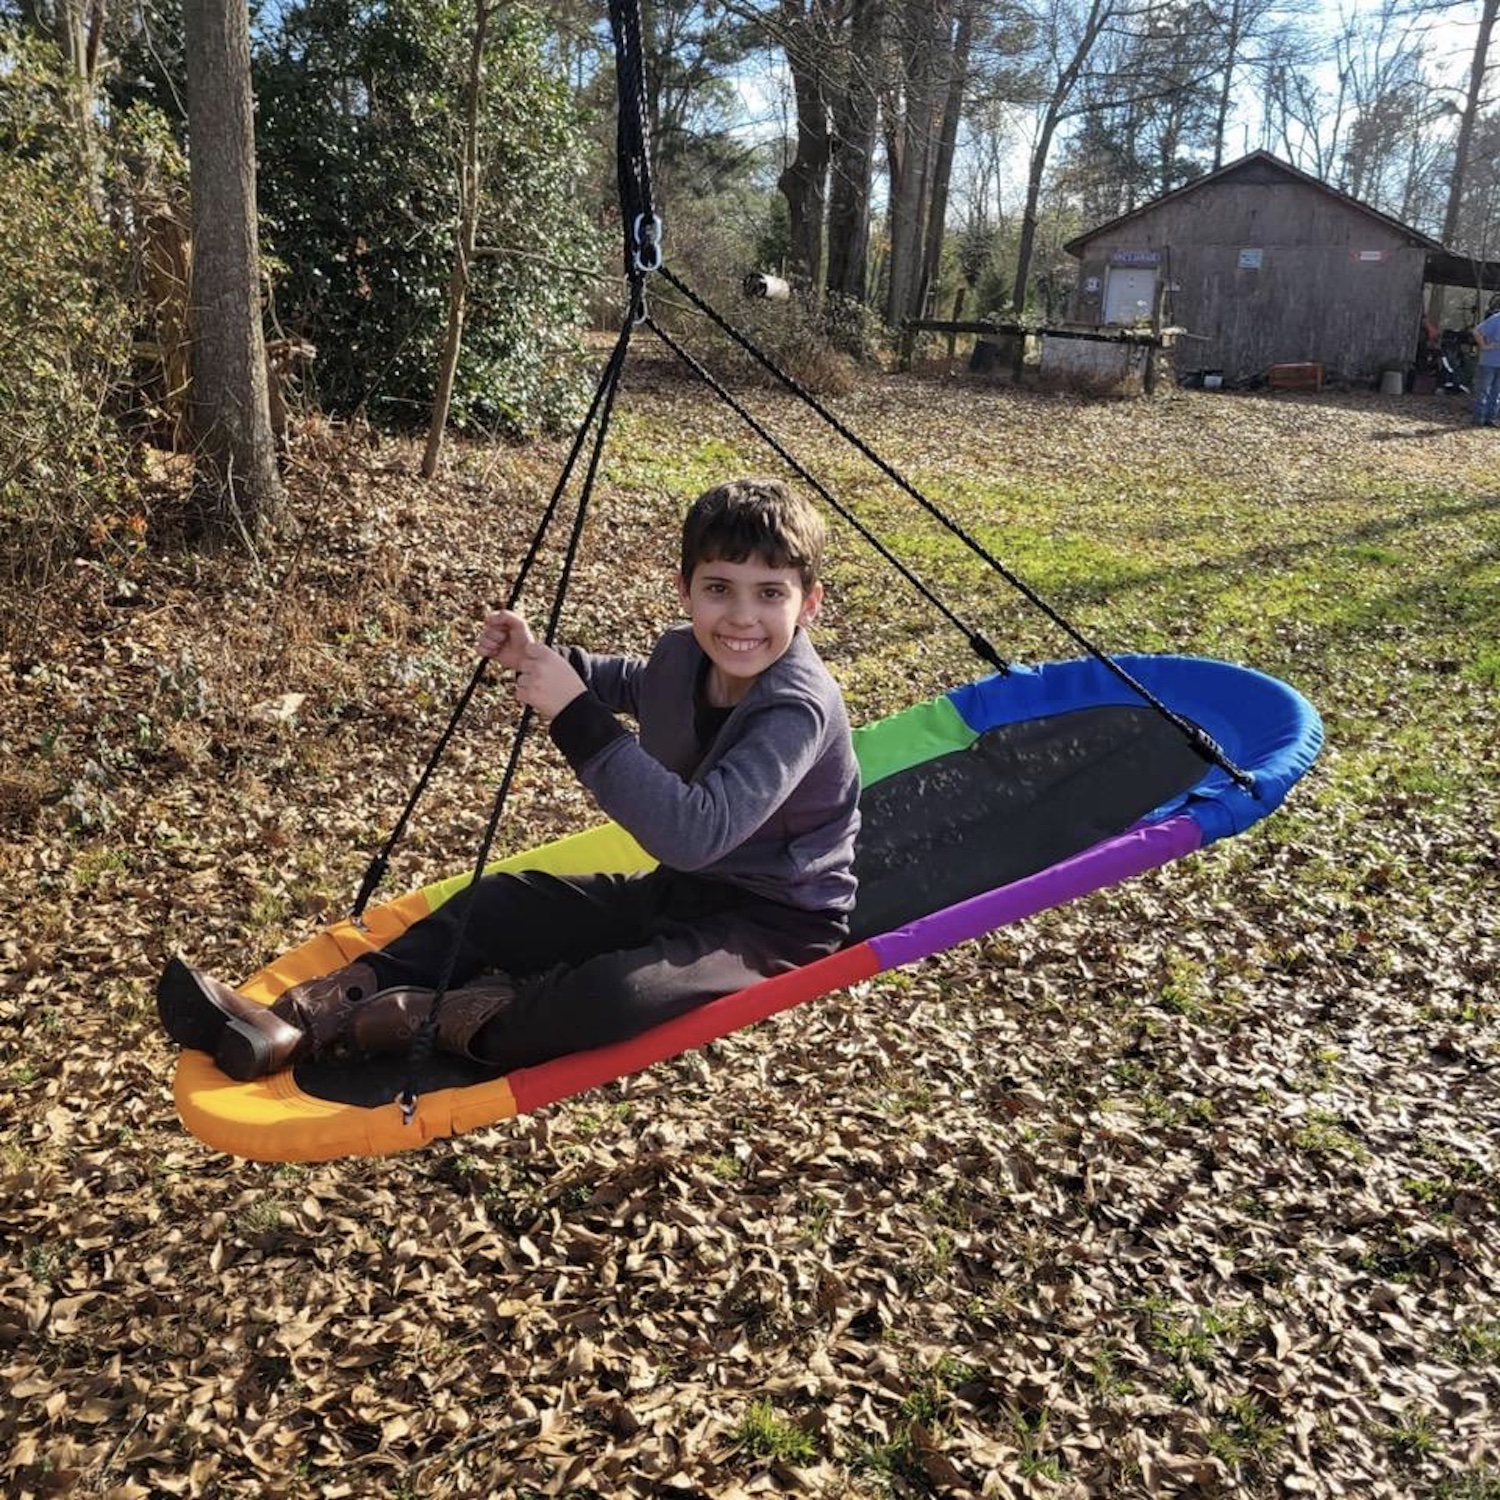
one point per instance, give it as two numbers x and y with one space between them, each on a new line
550 677
613 680
689 825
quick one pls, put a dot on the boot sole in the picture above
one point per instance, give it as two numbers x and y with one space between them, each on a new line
192 1019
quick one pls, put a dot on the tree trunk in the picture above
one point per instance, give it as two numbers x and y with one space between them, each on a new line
1221 114
463 253
1478 66
78 30
856 113
804 180
1027 246
1477 70
1099 13
916 133
1234 20
937 213
238 489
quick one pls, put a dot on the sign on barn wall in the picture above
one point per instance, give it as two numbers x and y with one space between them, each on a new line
1135 257
1250 259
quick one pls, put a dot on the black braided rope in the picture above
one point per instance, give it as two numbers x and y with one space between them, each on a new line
1203 742
376 871
426 1039
981 644
633 142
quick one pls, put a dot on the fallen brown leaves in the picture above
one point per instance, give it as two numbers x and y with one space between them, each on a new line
1190 1189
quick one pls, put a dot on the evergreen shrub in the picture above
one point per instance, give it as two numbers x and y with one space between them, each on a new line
360 137
65 332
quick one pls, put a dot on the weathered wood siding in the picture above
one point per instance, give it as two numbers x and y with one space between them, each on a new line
1333 284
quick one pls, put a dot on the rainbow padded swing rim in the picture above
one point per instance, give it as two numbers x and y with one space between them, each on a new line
1264 726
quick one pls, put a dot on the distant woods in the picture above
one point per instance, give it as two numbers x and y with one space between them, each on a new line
1002 129
300 257
425 205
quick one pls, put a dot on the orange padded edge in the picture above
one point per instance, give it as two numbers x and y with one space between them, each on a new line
272 1119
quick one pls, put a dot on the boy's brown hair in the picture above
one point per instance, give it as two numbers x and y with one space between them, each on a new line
761 518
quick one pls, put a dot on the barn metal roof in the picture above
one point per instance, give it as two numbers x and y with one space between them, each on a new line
1448 268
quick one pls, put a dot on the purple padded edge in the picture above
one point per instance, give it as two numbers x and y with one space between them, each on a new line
1141 848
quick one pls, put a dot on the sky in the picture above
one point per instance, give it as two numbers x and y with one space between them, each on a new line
1450 30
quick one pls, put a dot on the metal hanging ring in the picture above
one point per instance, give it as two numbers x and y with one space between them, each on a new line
647 238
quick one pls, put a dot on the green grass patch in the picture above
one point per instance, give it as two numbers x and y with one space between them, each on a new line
765 1434
1416 1435
685 468
1484 668
1481 1483
1201 1337
1245 1435
1105 1374
263 1216
1323 1134
94 863
1477 1345
1371 552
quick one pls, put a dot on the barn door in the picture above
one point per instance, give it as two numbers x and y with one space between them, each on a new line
1129 293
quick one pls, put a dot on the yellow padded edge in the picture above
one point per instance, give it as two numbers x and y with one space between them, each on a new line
607 849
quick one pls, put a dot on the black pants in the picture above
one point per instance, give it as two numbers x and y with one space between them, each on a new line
599 958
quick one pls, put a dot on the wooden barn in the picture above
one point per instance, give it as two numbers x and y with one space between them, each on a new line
1263 266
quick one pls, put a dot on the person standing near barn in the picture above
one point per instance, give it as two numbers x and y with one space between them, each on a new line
1487 373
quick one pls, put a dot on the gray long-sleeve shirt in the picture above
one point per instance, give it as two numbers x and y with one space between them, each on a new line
772 804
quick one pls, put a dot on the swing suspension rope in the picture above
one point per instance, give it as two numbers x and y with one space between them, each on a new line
976 638
642 229
426 1040
380 864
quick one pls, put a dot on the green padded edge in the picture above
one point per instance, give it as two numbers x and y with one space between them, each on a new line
921 732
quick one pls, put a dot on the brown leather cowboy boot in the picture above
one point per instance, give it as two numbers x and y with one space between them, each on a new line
320 1008
249 1040
392 1020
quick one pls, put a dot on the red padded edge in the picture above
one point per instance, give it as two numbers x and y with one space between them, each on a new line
564 1076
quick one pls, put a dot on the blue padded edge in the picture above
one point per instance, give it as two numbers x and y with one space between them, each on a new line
1264 726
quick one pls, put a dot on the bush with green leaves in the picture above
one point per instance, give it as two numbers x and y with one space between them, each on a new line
360 135
65 322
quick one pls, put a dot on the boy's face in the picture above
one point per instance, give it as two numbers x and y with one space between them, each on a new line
744 617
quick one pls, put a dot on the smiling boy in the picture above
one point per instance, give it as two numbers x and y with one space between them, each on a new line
740 781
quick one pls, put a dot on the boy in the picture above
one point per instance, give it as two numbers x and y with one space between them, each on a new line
742 782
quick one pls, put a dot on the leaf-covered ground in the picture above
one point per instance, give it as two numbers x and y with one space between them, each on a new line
1191 1188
